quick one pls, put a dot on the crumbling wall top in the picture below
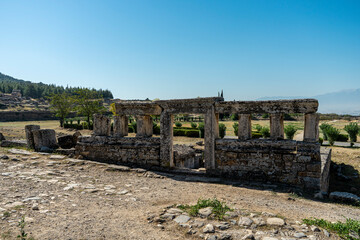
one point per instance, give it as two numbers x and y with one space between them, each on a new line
190 105
137 108
274 106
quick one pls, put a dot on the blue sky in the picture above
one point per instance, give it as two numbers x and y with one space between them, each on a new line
184 49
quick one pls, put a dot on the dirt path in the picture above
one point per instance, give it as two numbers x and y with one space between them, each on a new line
74 199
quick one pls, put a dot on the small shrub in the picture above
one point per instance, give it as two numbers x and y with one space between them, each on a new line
192 133
332 134
78 121
178 124
345 230
23 234
265 115
257 127
234 117
193 125
342 138
134 126
201 128
323 128
256 135
321 140
236 128
179 132
265 132
218 208
156 128
290 131
222 130
352 129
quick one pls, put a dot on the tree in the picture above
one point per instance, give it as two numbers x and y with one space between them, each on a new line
88 102
352 129
61 104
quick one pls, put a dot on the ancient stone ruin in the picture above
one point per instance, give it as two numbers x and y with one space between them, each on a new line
299 163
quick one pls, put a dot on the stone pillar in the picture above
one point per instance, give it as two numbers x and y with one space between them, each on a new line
121 127
144 125
311 127
277 126
210 129
44 138
166 140
217 133
29 135
102 125
244 131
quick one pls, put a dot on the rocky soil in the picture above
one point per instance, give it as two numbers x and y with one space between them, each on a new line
63 198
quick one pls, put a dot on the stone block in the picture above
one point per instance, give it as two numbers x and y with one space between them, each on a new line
44 138
102 125
29 135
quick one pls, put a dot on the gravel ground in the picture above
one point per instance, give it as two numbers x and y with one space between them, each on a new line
65 198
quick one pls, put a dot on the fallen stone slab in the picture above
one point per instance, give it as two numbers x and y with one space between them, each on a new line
19 151
344 197
67 141
118 168
13 143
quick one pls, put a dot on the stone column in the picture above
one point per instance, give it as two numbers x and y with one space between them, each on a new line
166 140
29 135
102 125
244 131
121 127
311 127
209 151
144 125
277 126
44 138
217 133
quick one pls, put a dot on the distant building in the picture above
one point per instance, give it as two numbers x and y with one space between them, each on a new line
16 93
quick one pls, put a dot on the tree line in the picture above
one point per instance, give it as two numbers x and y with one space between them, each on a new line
85 102
41 90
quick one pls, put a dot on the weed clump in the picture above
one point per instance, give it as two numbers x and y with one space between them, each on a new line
349 230
219 208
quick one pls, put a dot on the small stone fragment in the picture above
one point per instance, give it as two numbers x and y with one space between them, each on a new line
182 219
209 228
275 221
245 221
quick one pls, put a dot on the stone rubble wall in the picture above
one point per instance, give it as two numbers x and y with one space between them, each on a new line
285 161
124 150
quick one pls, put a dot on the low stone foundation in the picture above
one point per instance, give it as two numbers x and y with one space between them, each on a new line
124 150
285 161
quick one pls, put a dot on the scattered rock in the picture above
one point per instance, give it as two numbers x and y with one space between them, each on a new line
182 219
205 212
5 157
245 221
209 228
314 228
299 235
275 221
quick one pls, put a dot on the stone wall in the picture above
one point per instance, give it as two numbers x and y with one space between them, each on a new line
286 161
123 150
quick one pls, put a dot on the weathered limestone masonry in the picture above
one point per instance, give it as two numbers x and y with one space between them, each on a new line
299 163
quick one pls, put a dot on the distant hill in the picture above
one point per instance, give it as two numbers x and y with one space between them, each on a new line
341 102
40 90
